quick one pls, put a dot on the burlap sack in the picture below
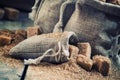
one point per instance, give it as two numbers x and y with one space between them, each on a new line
105 7
36 46
89 23
48 15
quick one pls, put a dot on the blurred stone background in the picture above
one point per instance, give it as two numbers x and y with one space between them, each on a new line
20 21
19 4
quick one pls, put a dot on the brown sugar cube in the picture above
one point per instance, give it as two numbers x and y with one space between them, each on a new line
118 2
2 12
73 51
4 40
84 62
84 49
103 64
112 1
31 31
19 36
103 0
21 32
11 13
